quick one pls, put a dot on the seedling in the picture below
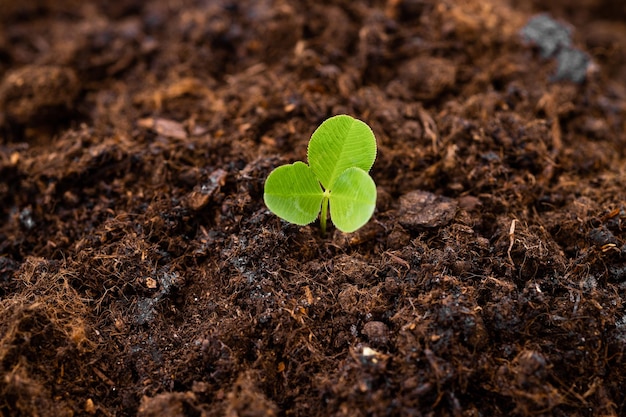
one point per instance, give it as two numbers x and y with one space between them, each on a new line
341 152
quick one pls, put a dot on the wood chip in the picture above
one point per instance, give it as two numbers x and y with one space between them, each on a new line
164 127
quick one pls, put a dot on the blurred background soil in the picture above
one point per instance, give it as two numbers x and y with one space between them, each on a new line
141 273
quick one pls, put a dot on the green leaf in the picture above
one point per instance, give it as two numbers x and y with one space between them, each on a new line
352 200
341 152
340 142
293 193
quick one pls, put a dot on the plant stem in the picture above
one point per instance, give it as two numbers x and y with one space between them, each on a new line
324 213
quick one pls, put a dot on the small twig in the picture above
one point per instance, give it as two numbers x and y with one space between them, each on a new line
511 240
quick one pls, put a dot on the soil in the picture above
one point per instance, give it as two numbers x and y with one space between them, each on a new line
141 273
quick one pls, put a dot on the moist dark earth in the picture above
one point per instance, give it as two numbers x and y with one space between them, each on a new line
141 273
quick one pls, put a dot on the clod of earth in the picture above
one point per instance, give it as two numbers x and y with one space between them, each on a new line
421 209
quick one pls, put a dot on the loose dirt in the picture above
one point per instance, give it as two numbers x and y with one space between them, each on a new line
141 273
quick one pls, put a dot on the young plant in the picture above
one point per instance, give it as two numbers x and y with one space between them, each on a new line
341 152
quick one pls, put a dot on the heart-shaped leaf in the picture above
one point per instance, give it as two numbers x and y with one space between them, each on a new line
340 142
352 199
293 193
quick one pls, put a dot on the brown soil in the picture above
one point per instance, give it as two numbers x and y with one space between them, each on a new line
141 273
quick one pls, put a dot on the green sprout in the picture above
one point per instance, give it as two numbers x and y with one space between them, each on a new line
341 152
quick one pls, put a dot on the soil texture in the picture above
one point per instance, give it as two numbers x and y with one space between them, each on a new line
142 275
